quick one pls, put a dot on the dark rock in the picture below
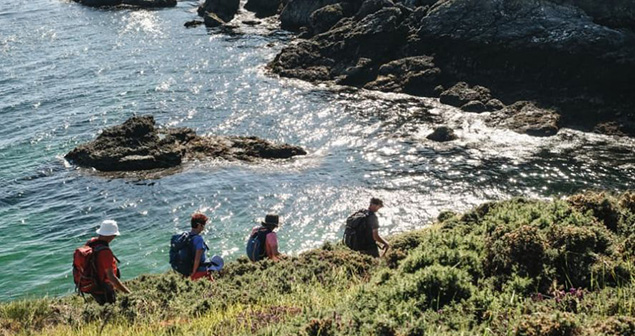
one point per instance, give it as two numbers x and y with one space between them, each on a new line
372 6
614 13
223 9
100 3
474 106
297 13
359 74
326 17
521 50
251 22
193 23
264 8
135 3
461 94
494 105
150 3
212 20
413 75
442 134
532 42
524 117
303 61
138 145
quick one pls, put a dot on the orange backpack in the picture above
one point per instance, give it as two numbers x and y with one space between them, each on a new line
85 268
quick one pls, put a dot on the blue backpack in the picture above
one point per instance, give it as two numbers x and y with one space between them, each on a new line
256 244
182 253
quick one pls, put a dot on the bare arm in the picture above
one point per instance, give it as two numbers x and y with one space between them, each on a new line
272 251
197 260
116 282
379 239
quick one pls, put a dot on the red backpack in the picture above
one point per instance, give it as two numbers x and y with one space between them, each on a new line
85 268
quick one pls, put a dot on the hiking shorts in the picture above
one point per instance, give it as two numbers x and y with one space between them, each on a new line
371 252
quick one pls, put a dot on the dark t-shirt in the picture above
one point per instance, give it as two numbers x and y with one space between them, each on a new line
372 223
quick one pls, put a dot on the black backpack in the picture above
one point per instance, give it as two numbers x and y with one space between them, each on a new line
356 231
182 253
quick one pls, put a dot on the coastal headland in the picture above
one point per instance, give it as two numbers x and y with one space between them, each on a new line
516 267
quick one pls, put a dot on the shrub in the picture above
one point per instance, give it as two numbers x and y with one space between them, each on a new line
521 250
558 324
615 326
576 250
433 287
600 205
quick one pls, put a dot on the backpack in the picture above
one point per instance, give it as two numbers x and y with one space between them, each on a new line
85 268
182 253
256 244
356 231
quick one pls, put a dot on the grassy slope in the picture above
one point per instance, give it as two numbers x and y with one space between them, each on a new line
519 267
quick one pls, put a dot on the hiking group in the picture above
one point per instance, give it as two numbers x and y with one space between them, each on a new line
95 270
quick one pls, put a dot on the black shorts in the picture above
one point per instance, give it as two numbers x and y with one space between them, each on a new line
371 252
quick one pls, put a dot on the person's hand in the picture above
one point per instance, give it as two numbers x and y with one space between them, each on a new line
385 249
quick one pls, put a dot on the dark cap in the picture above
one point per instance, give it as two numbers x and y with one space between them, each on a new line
376 201
271 219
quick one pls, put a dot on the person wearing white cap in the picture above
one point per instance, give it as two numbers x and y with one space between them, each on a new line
106 263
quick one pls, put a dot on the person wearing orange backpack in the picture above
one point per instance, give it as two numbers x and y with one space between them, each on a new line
95 266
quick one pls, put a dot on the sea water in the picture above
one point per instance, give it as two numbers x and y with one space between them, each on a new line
69 71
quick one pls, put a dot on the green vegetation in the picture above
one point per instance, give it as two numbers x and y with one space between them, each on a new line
519 267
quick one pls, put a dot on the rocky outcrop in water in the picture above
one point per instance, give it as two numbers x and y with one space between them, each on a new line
576 57
138 145
218 12
442 134
134 3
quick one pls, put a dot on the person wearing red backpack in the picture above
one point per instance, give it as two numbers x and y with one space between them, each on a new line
99 275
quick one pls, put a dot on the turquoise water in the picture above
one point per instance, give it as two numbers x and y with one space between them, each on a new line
67 72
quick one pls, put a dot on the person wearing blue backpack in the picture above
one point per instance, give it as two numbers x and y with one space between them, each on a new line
263 242
188 252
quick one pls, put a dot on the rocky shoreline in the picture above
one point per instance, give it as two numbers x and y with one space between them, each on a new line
534 65
138 145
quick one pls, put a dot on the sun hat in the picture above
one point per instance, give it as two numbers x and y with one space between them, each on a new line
108 228
271 219
216 263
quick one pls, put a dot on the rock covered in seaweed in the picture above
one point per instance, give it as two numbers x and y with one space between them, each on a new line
138 145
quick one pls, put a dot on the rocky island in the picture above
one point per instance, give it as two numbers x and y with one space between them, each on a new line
138 145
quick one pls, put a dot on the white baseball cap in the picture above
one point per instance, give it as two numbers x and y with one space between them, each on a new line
108 228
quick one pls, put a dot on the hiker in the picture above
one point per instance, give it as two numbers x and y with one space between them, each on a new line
95 266
263 242
362 230
188 252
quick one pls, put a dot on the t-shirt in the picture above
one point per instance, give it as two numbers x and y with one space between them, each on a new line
271 241
105 260
373 221
199 244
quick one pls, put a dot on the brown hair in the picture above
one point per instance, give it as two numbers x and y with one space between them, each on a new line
198 218
376 201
